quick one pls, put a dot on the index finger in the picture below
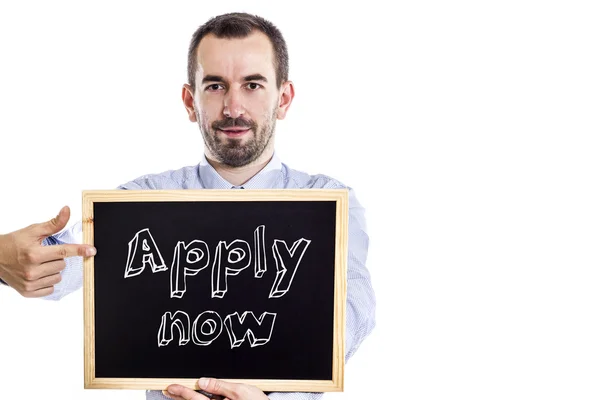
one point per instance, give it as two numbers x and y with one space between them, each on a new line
60 251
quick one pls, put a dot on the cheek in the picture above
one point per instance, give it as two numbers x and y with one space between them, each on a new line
210 107
261 110
204 119
207 112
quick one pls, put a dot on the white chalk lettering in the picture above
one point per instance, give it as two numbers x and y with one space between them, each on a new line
211 327
291 258
179 320
197 257
260 255
230 260
258 331
208 326
143 252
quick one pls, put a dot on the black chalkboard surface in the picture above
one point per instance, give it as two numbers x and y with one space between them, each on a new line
242 285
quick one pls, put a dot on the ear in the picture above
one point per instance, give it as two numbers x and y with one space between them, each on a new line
286 96
187 95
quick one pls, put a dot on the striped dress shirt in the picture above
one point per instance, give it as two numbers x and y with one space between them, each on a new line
360 303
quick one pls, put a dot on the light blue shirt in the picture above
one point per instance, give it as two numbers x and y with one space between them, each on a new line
360 306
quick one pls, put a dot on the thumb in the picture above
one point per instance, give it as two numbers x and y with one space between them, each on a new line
233 391
182 392
55 225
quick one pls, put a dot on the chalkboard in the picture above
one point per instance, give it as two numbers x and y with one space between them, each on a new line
242 285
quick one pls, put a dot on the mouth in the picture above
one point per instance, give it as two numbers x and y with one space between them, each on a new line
234 132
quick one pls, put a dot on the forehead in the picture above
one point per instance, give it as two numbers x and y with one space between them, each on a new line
236 57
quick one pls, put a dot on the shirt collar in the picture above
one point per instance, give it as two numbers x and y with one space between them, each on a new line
266 178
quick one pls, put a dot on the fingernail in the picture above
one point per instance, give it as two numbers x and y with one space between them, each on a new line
90 251
203 383
166 393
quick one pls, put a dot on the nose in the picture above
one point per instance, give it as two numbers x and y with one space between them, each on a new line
233 107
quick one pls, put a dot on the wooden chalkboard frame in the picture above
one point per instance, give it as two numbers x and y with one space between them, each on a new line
340 196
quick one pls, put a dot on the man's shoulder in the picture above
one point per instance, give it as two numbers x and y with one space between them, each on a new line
302 180
183 178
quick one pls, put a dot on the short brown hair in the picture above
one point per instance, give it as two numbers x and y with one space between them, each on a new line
240 25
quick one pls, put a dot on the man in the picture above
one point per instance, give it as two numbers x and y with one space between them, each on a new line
237 88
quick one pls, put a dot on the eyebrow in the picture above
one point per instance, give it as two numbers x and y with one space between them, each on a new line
249 78
255 77
213 78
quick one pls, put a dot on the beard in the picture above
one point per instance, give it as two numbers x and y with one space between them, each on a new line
238 152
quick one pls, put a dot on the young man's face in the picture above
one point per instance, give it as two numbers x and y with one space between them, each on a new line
236 101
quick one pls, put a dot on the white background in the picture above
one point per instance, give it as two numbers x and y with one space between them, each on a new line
469 130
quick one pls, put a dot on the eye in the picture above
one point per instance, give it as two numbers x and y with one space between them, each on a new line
253 86
214 87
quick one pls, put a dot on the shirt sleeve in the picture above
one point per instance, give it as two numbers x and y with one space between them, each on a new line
360 297
72 275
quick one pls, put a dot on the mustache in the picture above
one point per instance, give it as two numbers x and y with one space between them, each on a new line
234 122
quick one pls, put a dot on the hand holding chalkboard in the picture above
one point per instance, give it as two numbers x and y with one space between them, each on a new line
215 389
31 268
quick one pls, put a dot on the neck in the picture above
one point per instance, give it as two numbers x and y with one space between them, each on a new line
239 175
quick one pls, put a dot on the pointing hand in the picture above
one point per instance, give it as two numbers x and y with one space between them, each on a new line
31 268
